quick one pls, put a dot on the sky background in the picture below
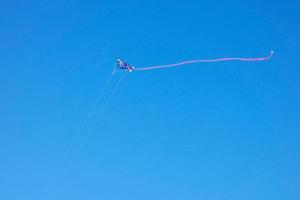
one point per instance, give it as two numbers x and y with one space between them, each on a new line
204 131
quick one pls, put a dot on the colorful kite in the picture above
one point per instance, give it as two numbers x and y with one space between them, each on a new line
121 65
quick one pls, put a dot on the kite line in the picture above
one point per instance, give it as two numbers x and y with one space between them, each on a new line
81 136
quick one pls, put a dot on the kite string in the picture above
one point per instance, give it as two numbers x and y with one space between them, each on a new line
79 132
87 118
99 115
205 61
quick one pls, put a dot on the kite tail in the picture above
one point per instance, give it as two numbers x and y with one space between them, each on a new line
206 61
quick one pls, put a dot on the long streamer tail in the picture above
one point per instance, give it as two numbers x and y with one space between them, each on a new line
205 61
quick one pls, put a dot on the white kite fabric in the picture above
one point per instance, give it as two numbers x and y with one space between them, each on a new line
124 66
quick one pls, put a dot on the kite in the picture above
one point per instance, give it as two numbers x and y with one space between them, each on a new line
121 65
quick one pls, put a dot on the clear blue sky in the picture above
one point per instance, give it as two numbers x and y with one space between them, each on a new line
206 131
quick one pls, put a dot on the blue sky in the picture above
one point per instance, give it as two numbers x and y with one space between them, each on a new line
205 131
